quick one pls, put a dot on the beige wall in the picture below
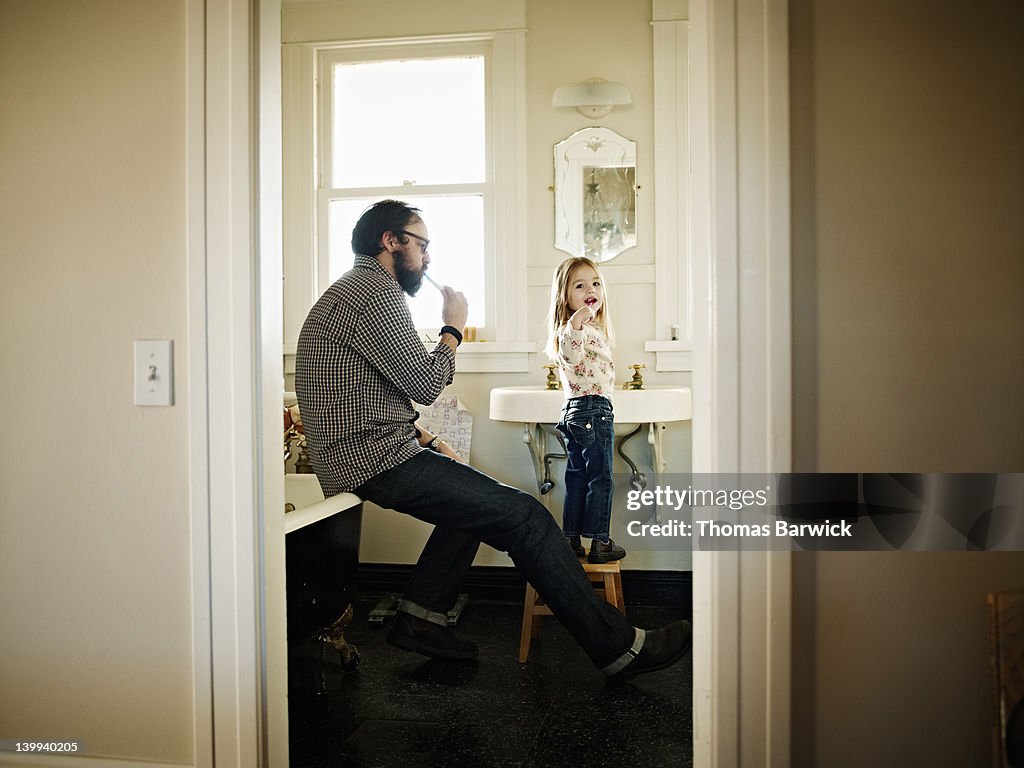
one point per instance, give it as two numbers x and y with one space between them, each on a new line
95 589
908 264
566 41
908 302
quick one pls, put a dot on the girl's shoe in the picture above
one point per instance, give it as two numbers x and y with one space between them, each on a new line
605 551
576 545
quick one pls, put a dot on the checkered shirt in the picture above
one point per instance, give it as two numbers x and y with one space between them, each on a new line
358 367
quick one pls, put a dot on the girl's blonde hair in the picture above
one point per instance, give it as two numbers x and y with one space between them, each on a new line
558 310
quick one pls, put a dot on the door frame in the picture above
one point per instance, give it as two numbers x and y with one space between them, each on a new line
740 240
233 180
739 176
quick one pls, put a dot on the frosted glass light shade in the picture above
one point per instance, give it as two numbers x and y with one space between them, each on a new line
593 98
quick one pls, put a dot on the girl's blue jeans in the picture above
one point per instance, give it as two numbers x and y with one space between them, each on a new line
589 428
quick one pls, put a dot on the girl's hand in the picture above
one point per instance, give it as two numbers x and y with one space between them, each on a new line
581 315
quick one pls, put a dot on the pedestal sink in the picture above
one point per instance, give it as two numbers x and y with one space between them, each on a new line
534 404
537 408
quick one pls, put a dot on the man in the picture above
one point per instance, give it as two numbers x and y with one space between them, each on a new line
359 366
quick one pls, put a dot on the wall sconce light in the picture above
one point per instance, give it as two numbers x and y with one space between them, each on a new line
592 98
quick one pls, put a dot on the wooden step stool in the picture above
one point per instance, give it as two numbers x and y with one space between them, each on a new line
607 575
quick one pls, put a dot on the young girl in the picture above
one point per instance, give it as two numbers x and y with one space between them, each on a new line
579 340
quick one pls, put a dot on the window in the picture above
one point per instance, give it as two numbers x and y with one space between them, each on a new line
453 144
412 122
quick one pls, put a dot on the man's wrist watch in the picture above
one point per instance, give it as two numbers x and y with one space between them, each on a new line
433 444
453 331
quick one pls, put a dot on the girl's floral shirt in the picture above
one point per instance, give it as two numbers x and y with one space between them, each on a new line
585 362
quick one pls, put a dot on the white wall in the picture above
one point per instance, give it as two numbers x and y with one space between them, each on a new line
565 42
95 594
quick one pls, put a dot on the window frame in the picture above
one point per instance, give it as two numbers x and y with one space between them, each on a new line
507 346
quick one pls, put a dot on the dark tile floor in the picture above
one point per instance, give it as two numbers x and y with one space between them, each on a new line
402 709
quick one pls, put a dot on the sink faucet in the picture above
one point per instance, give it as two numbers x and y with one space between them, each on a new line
553 382
637 382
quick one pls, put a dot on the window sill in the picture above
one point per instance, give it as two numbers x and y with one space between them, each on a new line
494 356
473 356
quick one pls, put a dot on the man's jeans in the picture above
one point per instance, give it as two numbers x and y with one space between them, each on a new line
589 428
468 507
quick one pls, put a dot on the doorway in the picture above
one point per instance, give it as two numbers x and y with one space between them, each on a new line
737 370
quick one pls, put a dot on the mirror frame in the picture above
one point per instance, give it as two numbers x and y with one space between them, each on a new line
589 149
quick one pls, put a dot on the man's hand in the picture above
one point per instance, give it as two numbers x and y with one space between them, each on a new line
446 450
443 448
580 316
455 310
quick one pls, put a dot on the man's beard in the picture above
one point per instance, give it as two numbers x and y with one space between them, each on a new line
409 279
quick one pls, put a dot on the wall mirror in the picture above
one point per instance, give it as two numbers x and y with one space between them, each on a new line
595 194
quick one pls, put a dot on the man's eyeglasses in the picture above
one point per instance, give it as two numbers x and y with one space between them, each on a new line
424 243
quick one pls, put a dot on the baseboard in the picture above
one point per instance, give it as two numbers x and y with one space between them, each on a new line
504 584
23 760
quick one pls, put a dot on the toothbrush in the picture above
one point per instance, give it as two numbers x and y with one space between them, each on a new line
433 282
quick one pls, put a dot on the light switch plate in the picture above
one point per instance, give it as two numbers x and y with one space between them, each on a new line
154 372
